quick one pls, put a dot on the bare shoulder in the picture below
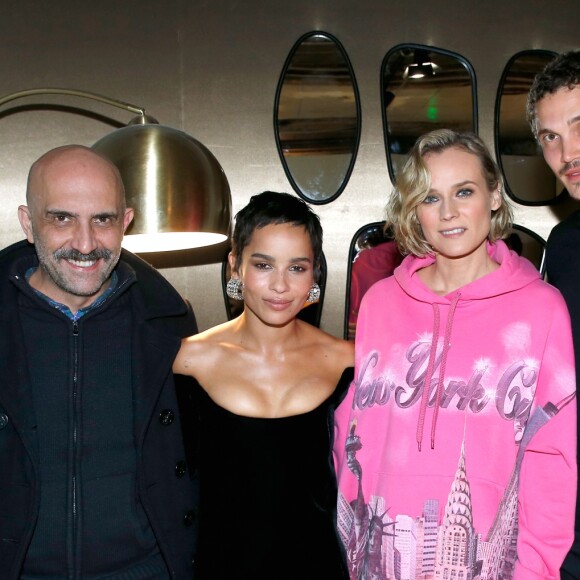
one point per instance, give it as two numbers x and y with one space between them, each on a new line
202 350
334 352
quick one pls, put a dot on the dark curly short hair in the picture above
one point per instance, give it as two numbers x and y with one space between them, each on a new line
562 72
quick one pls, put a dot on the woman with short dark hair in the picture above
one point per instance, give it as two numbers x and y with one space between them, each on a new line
268 387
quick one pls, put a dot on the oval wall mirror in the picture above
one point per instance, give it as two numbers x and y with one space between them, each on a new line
422 89
311 313
528 179
317 117
373 255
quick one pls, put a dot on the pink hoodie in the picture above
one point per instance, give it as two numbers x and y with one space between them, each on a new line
481 485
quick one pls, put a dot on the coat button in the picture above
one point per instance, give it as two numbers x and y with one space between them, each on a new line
3 420
189 518
180 468
166 417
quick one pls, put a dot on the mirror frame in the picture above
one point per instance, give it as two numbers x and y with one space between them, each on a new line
351 256
536 237
317 306
496 128
279 87
469 68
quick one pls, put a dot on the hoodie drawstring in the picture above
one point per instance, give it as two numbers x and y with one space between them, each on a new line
428 376
431 369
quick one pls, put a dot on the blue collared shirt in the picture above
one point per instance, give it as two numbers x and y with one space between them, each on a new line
81 312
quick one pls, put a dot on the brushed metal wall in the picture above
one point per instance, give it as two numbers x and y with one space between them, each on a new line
210 68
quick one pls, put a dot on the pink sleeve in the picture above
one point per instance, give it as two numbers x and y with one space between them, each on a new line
341 420
547 487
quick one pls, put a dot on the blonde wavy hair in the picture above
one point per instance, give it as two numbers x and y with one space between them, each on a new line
414 182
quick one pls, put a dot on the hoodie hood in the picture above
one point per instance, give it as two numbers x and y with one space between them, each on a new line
513 274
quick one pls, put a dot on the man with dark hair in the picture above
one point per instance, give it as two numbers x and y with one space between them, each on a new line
95 482
554 115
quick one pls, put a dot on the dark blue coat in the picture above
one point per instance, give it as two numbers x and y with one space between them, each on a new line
166 478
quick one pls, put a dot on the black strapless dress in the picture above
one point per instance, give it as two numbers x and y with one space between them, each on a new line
268 494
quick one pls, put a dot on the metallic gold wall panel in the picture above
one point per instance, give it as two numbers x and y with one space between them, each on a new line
211 68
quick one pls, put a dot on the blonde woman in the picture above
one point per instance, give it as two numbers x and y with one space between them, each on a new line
456 446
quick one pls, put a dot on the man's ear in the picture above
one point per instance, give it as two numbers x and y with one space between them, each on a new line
128 218
26 222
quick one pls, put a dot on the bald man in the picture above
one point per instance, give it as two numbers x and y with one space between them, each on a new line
94 481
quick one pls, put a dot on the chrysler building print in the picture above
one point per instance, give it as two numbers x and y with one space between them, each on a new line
445 549
457 541
433 545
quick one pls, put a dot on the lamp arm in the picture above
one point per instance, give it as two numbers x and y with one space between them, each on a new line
73 93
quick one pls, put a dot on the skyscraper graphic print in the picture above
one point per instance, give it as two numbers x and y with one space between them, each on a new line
405 546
